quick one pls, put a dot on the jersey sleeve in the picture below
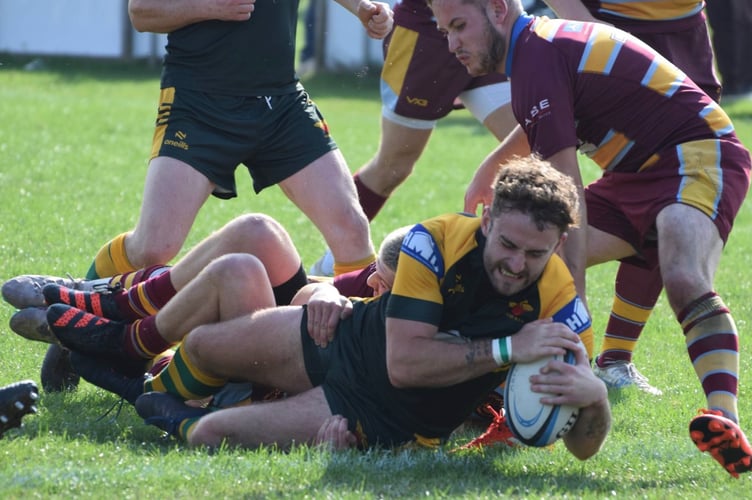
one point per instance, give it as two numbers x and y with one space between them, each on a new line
416 294
544 105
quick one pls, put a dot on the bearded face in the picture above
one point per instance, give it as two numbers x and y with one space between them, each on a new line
471 35
493 58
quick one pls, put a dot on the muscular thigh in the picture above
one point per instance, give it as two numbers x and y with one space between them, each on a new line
262 347
295 419
338 214
173 194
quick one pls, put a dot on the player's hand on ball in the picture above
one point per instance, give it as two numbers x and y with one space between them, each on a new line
542 338
568 384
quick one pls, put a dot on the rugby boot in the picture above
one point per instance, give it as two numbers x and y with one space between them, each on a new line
86 333
97 303
16 401
711 431
31 323
498 432
57 373
117 378
166 411
26 290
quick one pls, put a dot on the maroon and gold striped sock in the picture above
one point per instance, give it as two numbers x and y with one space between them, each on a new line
128 279
143 340
146 298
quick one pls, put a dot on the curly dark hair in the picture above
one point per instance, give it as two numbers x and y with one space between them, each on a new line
531 185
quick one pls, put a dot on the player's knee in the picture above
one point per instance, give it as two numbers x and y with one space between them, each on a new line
153 256
683 286
352 234
197 346
150 253
247 232
393 170
235 269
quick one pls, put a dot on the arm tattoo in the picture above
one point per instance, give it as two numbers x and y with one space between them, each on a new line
477 350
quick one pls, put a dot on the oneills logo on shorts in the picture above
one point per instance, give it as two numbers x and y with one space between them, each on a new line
179 141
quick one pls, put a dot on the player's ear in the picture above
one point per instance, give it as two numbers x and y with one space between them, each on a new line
485 221
562 239
499 9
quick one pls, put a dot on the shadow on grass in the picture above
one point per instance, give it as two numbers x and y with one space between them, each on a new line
94 415
390 474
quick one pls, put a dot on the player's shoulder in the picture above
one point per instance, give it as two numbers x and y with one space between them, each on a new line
441 241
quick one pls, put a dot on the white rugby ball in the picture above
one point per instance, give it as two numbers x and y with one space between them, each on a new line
531 422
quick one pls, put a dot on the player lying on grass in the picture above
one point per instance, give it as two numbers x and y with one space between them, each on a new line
256 234
483 279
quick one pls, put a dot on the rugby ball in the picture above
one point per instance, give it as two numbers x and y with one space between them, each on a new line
531 422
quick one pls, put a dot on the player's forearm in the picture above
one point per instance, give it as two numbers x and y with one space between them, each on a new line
589 433
575 249
438 363
164 16
351 5
515 144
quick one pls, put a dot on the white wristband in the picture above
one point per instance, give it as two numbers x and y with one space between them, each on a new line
501 350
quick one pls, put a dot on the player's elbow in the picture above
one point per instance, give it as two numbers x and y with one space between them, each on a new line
582 449
583 454
137 13
399 375
400 370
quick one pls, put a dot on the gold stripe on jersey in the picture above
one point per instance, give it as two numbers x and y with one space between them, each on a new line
547 30
663 77
655 10
166 98
702 177
717 119
650 162
601 50
401 48
611 150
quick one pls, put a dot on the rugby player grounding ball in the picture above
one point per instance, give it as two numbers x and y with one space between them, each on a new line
531 422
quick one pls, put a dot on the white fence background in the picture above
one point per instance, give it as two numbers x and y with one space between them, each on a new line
101 28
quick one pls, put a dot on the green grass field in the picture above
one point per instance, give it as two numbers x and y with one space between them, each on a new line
74 140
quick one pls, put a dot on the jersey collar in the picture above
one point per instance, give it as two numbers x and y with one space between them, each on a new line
519 25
